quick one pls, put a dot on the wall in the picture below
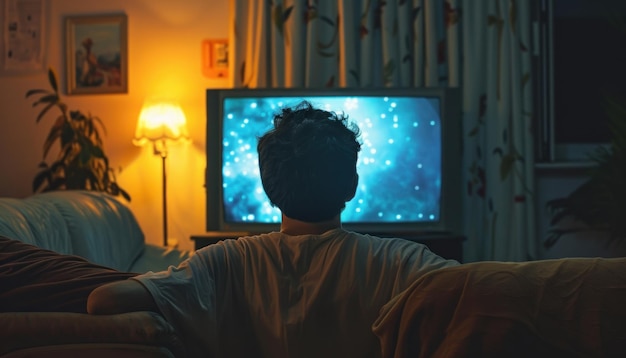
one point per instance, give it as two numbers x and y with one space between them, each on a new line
164 58
164 41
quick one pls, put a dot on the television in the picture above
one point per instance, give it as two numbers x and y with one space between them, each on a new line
409 165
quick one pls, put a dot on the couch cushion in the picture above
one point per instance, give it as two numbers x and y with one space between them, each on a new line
123 335
35 279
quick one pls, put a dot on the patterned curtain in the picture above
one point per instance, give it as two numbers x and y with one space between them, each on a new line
480 46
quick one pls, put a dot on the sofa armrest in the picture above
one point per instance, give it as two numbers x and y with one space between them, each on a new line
20 330
157 258
570 307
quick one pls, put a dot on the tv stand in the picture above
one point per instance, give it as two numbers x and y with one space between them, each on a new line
447 245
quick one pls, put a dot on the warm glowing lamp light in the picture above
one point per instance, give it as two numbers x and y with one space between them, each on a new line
160 122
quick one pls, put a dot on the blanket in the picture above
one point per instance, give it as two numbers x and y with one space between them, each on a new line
574 307
33 279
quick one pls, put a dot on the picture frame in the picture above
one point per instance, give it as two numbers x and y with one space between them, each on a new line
96 54
23 35
215 58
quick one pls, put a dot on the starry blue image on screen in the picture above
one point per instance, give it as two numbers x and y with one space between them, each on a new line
399 164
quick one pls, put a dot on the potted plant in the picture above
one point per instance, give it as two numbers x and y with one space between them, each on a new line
599 204
81 162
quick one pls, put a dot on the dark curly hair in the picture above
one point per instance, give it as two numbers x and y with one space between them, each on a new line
308 162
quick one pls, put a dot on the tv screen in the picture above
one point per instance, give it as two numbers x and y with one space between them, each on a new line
401 163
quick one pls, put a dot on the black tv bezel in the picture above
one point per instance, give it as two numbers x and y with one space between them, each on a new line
451 184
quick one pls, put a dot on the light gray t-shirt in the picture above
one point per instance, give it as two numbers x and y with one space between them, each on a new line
276 295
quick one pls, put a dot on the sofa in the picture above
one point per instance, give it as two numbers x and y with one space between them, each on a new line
552 308
99 240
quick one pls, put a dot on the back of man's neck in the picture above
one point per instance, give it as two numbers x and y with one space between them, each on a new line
294 227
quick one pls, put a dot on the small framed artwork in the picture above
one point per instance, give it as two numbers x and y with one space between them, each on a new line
96 54
215 58
22 36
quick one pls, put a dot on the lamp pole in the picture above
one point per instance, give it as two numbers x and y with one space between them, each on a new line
164 203
163 153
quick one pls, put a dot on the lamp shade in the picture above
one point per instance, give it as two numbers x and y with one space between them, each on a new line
161 120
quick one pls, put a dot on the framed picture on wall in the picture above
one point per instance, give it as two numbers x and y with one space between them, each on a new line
22 36
96 54
215 58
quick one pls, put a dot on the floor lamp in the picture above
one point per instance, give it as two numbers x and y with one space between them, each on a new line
161 122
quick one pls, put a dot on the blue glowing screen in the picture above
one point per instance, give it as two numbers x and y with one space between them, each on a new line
399 164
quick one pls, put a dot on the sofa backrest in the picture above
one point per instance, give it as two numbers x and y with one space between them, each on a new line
90 224
35 222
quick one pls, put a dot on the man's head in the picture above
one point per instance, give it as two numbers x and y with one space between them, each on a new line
308 162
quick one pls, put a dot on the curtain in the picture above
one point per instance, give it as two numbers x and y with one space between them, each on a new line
481 46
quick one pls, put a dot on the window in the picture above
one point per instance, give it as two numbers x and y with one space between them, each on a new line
582 63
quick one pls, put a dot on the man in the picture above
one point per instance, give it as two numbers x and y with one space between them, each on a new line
311 290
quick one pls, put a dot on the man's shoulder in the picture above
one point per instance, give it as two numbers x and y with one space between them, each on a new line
381 239
242 243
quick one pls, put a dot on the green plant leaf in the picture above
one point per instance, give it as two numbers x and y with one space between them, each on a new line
56 179
67 154
36 91
93 180
67 134
44 111
76 179
89 148
125 194
58 167
51 98
56 184
115 190
97 152
89 128
85 155
41 177
55 133
77 116
52 78
101 124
